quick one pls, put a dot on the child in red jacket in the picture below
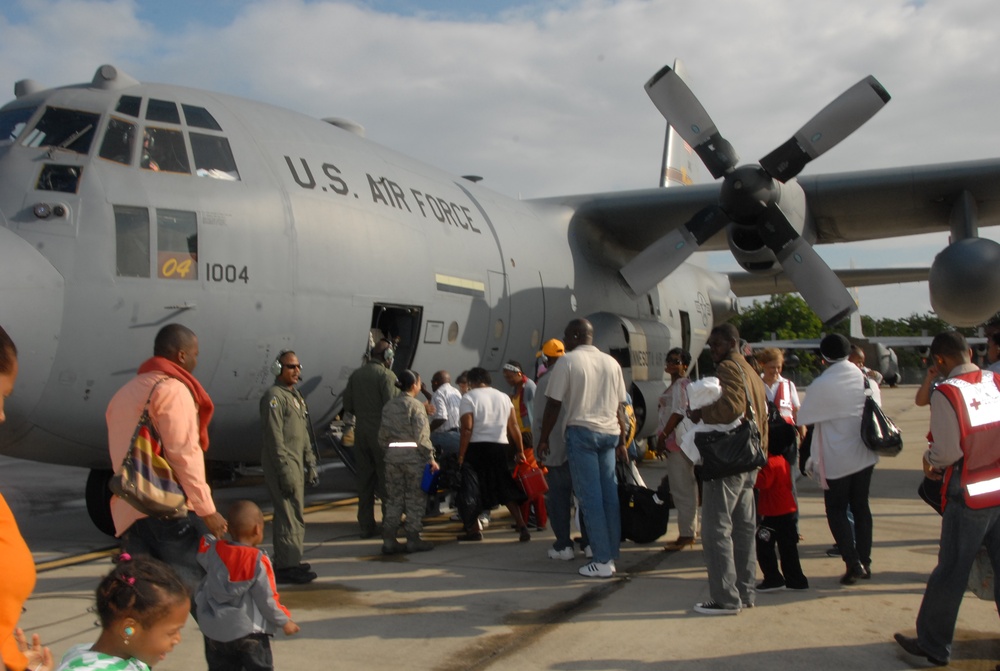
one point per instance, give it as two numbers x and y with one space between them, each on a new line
776 506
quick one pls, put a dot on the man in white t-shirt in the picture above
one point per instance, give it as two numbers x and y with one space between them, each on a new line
444 423
588 386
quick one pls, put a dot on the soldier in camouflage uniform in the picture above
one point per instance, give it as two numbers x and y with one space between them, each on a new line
405 436
288 461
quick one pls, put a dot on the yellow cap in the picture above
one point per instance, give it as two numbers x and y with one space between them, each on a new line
553 348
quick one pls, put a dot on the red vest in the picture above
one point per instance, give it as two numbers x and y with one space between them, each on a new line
975 397
783 401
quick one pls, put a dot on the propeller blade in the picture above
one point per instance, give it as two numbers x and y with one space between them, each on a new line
678 104
818 284
665 255
848 112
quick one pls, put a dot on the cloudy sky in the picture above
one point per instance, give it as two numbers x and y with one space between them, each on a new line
546 98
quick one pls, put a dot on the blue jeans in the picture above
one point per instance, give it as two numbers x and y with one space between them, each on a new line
445 442
963 532
728 524
591 458
559 502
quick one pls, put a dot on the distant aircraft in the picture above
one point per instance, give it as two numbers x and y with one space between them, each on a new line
125 206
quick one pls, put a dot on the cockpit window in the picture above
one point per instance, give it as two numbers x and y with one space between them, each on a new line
12 122
199 117
64 128
64 178
162 110
213 157
129 105
163 151
118 141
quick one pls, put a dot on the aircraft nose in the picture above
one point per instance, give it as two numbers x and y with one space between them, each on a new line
31 308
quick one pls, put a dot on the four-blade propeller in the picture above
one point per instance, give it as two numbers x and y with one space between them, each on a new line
759 198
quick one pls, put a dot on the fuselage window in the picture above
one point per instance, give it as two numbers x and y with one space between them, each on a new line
177 244
118 141
199 117
213 157
162 110
12 122
129 105
64 128
163 151
131 241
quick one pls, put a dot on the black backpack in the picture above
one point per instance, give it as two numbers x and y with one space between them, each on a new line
782 437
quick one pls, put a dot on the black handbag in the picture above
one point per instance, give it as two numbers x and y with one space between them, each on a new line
643 519
879 433
725 453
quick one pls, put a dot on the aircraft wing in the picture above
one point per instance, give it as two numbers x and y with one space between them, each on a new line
751 284
844 207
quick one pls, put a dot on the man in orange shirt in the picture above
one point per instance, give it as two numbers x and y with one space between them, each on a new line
180 410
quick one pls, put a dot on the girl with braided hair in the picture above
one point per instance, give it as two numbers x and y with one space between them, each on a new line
143 605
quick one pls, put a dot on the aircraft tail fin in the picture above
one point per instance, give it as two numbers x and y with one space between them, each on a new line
680 165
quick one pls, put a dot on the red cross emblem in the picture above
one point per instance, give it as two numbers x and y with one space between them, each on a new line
975 404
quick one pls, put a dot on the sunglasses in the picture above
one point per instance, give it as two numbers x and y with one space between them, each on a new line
292 366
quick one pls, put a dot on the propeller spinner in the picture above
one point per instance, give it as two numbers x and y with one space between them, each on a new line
757 197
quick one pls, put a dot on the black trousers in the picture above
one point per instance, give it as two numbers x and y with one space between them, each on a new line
851 490
781 531
250 653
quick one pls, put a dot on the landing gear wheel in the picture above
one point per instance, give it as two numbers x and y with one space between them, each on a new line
98 498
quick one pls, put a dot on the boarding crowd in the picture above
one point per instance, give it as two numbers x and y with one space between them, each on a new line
571 423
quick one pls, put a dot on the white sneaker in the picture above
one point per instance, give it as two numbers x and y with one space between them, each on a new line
597 570
565 554
614 569
588 552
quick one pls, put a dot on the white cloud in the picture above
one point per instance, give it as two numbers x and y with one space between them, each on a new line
548 99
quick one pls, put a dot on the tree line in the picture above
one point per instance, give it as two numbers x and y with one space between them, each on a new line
788 317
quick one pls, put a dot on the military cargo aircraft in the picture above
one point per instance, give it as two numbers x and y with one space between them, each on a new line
125 206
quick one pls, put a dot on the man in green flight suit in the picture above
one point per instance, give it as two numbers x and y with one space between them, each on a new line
369 388
288 460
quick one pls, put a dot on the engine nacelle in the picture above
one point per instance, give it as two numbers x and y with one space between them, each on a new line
965 282
744 207
640 346
751 252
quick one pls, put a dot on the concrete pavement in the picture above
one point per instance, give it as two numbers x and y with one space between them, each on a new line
501 605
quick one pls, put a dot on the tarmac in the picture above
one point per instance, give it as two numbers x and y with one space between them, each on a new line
504 605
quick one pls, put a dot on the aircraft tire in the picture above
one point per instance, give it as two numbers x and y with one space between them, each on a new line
98 498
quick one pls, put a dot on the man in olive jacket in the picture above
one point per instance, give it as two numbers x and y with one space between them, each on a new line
286 458
728 511
369 388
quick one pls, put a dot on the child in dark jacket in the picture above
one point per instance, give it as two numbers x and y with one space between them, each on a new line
238 606
777 508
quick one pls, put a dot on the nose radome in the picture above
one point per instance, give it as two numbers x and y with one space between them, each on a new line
31 309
